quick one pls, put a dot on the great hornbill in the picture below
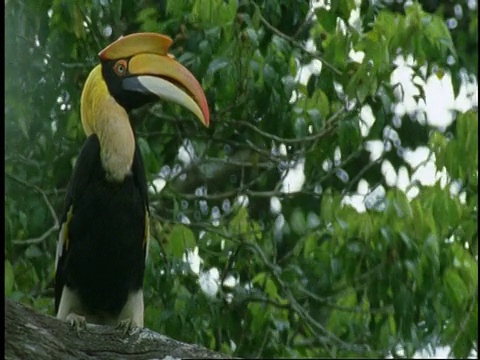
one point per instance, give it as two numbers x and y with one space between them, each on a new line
103 238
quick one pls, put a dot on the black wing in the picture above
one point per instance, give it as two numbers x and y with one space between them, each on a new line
88 160
138 171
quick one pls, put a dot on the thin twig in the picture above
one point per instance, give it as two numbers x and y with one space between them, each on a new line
262 345
295 42
353 309
40 50
54 227
229 161
300 310
300 140
464 323
36 240
361 172
305 23
265 300
93 31
284 140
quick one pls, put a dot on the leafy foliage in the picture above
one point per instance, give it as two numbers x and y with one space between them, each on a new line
285 270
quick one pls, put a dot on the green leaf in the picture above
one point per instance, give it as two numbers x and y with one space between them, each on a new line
269 75
310 245
349 136
239 224
328 208
146 14
291 274
263 280
456 290
437 32
252 35
259 318
300 127
467 266
181 238
432 251
202 10
9 278
340 320
33 251
326 19
149 158
467 143
225 12
402 205
298 222
217 65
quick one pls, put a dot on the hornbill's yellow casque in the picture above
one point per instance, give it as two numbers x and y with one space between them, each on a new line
103 239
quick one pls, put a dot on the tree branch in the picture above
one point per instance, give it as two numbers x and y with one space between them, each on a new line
29 335
300 140
295 42
56 223
464 322
310 322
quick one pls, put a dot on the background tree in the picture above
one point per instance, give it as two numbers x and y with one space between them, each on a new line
287 265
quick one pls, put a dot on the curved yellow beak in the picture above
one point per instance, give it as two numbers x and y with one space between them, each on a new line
151 70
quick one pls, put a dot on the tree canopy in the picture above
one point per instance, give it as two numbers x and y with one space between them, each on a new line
298 224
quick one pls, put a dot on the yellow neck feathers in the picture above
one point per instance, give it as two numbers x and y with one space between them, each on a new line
103 116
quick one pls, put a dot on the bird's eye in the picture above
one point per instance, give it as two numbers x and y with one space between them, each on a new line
120 67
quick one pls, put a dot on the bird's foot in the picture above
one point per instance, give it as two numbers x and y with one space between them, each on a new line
126 326
77 321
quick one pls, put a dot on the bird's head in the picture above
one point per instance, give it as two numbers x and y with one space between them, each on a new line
135 70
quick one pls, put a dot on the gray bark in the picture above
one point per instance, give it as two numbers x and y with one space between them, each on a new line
29 335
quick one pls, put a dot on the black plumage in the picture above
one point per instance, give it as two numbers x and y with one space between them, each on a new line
106 233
